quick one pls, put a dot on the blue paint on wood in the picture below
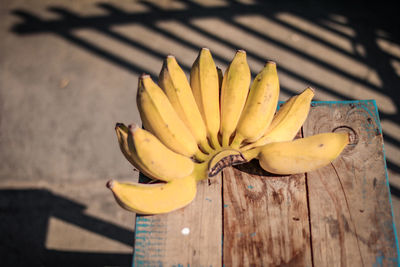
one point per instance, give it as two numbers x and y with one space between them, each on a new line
250 187
142 232
342 102
379 260
145 263
373 115
142 225
139 262
142 219
393 226
377 116
138 219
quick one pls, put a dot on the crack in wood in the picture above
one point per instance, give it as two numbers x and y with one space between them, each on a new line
348 208
340 222
309 219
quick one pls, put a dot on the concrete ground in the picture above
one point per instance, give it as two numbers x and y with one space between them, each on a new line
69 72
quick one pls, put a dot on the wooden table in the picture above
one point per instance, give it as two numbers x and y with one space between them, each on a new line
340 215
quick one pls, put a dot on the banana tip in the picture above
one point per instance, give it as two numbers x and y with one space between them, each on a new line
311 88
350 139
144 76
110 184
133 127
270 62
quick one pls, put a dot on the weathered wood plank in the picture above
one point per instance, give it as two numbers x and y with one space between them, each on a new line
350 212
265 218
191 236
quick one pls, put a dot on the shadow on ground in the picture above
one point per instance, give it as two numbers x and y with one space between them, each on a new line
365 20
24 222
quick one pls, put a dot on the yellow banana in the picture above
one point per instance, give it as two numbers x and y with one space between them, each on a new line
157 112
205 86
122 135
301 155
287 121
260 106
234 91
150 156
154 198
163 162
183 121
173 81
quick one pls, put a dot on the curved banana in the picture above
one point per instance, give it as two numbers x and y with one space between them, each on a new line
164 163
122 134
234 91
185 124
205 86
287 121
260 106
154 198
144 151
300 155
173 81
157 112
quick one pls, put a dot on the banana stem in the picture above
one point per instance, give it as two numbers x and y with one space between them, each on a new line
214 142
251 153
200 156
200 171
225 139
248 147
237 141
205 146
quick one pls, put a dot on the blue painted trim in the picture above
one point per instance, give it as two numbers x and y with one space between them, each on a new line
139 220
388 184
343 101
134 241
336 102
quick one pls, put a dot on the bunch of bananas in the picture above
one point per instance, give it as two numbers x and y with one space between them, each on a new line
192 130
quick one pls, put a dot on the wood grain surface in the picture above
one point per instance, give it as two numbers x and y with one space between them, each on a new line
265 218
191 236
339 215
350 212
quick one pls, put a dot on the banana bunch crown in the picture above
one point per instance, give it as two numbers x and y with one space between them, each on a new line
192 129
